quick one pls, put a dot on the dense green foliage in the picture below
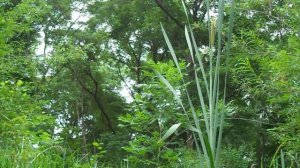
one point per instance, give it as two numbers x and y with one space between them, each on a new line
87 83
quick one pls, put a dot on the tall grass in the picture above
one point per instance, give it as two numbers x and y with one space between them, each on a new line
51 157
208 136
280 159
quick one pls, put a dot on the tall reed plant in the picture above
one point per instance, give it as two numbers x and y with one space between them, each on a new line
208 136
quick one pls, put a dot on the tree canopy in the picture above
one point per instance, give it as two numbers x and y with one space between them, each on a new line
149 83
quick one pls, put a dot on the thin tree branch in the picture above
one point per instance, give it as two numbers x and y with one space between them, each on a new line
99 101
250 120
94 95
126 85
168 14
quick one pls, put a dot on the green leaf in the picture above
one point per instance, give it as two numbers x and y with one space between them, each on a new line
20 83
192 128
170 131
96 144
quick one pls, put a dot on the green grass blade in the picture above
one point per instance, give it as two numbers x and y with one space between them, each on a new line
207 4
274 156
189 29
170 87
186 14
228 47
198 56
282 159
170 131
215 81
194 116
202 104
209 152
187 37
197 124
210 139
171 49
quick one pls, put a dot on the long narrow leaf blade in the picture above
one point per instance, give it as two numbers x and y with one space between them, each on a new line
170 131
187 36
282 159
171 49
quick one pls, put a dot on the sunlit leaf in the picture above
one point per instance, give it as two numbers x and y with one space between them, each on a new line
170 131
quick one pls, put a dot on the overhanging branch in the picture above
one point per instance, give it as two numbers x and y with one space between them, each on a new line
168 14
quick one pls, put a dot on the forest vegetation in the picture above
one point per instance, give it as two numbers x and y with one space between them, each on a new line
149 83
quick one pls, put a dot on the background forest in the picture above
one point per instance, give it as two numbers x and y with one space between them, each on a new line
84 83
